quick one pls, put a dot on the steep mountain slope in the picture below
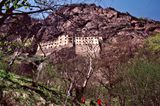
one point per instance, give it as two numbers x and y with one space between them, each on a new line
90 20
118 30
81 20
122 33
19 27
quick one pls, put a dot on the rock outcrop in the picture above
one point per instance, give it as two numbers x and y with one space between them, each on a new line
122 33
90 20
118 30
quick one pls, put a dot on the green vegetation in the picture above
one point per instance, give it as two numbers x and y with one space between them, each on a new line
141 82
23 91
136 82
153 43
3 64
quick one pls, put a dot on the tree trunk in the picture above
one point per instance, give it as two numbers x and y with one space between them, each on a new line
79 93
109 97
122 100
69 93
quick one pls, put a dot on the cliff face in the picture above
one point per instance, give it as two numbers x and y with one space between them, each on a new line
81 20
90 20
114 27
19 26
122 33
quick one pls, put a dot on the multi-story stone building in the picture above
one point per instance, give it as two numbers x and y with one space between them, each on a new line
82 45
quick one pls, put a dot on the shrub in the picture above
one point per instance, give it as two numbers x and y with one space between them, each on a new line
153 43
3 64
141 82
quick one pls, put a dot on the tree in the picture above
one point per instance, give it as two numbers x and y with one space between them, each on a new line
109 80
76 73
140 83
109 65
8 8
16 7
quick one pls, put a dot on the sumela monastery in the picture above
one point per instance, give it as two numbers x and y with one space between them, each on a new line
82 45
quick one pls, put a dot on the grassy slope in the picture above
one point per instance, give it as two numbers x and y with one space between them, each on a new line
17 90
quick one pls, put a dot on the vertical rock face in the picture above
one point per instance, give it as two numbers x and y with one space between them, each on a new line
16 27
83 20
121 32
90 20
20 27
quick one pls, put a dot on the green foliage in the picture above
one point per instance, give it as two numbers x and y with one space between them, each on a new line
141 82
8 48
24 91
52 77
153 43
15 4
6 51
3 64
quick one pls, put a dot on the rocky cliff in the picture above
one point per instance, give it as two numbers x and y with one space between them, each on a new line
122 33
90 20
114 27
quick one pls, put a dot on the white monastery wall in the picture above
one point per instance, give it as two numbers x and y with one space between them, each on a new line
83 45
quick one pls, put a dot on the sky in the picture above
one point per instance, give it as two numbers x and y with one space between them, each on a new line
140 8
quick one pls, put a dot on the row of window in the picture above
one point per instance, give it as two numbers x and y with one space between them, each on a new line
86 38
79 38
77 42
46 44
70 39
90 42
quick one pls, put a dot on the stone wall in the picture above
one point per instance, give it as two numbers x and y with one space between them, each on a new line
50 46
88 50
87 40
83 45
88 46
